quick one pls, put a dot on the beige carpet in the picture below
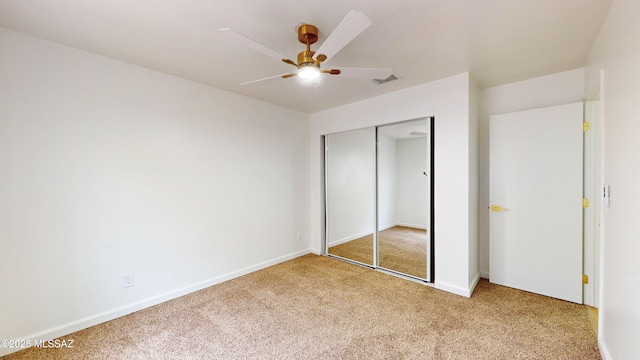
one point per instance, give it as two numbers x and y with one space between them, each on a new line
316 307
401 249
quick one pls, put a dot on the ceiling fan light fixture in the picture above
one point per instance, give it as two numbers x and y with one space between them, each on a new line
309 72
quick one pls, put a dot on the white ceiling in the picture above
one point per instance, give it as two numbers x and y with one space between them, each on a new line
497 41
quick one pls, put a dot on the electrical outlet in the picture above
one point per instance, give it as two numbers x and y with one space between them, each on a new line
299 236
127 280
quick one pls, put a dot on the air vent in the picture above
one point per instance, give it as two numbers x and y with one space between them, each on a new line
384 81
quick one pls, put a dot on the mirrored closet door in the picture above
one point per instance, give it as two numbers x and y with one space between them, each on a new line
403 197
379 196
350 194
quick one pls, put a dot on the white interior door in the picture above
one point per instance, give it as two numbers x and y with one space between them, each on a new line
536 201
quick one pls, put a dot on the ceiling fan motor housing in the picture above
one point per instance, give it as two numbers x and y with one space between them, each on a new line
306 57
307 32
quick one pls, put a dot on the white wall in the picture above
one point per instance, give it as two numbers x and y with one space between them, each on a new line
617 52
448 100
350 185
412 200
110 168
556 89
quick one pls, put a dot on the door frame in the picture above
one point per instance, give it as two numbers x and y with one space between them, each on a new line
593 186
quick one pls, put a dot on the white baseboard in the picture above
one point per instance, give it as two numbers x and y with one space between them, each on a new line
484 275
604 351
349 238
71 327
385 227
452 289
473 283
414 226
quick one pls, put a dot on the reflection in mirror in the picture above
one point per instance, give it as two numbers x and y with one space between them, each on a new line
350 183
403 197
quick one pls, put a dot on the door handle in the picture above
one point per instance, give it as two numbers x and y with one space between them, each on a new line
497 208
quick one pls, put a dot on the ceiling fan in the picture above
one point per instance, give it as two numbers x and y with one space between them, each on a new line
309 62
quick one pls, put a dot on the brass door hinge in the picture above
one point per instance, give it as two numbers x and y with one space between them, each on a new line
585 203
585 279
586 126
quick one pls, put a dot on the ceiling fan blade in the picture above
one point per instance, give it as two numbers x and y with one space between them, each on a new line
249 42
351 26
365 73
267 78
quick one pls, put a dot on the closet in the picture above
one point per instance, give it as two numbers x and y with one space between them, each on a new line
379 186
